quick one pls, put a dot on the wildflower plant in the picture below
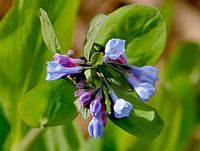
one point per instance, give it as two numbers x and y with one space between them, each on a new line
112 79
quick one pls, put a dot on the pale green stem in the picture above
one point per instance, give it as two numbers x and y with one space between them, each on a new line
31 137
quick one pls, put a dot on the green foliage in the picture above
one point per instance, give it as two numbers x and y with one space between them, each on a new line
183 60
52 103
96 58
61 138
143 28
168 9
92 33
176 103
143 121
48 33
5 126
115 79
24 54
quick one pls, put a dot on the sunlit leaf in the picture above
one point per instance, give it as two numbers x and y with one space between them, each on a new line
92 32
49 104
48 33
142 122
143 28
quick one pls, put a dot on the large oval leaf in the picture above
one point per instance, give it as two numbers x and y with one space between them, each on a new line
49 104
143 28
143 121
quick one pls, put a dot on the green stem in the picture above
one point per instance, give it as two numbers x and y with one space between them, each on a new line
30 139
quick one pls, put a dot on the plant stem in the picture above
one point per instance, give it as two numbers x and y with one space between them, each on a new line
30 139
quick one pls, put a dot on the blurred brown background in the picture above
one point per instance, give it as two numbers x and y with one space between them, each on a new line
186 23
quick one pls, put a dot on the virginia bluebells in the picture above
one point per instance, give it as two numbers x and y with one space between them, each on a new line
92 94
121 107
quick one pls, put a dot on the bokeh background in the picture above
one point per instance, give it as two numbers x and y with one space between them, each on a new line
178 90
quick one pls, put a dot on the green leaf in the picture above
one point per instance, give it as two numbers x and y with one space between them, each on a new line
143 121
143 28
92 32
71 137
167 9
49 104
97 58
183 60
23 52
115 79
83 111
5 126
48 33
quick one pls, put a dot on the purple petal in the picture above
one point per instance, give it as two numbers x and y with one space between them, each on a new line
79 93
103 114
70 53
85 98
66 61
122 59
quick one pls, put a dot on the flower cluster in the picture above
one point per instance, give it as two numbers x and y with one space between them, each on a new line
142 79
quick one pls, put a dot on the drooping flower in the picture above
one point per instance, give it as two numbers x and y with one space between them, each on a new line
146 74
95 127
114 48
56 71
79 92
85 98
121 107
144 90
95 106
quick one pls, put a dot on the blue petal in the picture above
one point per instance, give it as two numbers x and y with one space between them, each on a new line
114 48
56 71
95 107
146 74
143 90
122 108
95 128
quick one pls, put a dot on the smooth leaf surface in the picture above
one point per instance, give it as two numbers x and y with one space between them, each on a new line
48 33
143 28
49 104
96 58
83 111
23 52
142 122
5 126
92 33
